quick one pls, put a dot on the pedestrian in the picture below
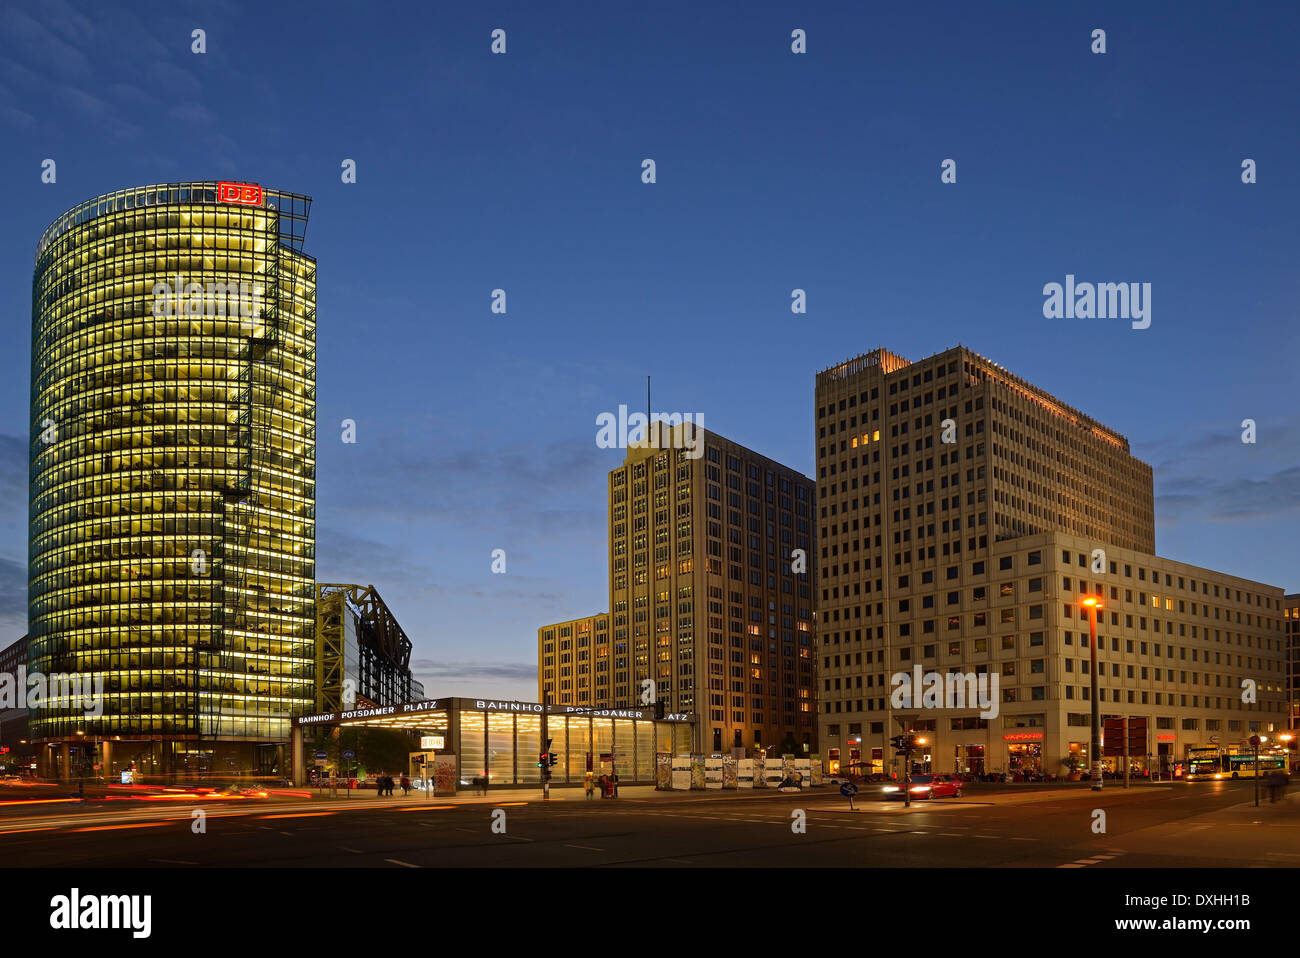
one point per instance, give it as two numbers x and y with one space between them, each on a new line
406 785
615 785
604 787
588 786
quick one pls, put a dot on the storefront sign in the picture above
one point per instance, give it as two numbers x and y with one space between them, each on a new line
431 742
1023 737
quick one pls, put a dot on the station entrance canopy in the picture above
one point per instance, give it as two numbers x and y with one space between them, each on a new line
497 741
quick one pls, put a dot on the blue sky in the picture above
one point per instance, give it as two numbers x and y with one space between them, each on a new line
775 171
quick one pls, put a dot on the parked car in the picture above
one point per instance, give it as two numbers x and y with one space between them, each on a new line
835 781
926 786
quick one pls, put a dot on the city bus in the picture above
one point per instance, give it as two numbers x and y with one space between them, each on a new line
1207 764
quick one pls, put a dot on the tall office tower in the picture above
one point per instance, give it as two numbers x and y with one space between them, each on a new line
1291 618
704 599
961 511
172 514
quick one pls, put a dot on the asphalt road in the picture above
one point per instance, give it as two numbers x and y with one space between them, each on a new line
1182 825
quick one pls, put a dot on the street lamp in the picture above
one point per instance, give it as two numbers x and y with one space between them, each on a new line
1092 604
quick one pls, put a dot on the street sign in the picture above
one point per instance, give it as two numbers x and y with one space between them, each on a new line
321 759
848 789
349 754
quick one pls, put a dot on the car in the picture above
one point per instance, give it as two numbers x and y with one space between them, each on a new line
926 786
836 780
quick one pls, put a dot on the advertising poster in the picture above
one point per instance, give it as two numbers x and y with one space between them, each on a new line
816 769
728 771
682 773
759 780
444 774
745 773
713 772
697 771
663 771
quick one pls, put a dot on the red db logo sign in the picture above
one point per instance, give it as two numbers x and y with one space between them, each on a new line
245 194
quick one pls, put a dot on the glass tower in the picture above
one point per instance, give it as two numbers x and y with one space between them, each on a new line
173 449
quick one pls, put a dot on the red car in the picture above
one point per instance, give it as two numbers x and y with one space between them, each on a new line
927 786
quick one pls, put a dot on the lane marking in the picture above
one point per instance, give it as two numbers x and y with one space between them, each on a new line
110 828
398 861
589 848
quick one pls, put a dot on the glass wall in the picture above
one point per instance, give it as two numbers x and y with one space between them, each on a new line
602 730
473 759
625 749
555 729
529 746
645 750
501 748
579 746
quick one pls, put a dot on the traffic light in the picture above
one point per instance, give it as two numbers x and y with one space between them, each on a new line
553 758
542 760
908 742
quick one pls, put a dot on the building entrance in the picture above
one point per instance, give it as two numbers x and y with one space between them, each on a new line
1025 760
969 760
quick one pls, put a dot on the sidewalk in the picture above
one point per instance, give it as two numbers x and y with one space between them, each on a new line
568 794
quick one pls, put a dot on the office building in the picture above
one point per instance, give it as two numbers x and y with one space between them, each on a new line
15 734
962 514
172 516
708 599
1291 618
574 659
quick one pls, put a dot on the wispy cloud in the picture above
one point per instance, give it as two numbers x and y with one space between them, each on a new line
1214 475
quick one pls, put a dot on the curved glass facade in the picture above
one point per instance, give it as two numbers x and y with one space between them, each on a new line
172 514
